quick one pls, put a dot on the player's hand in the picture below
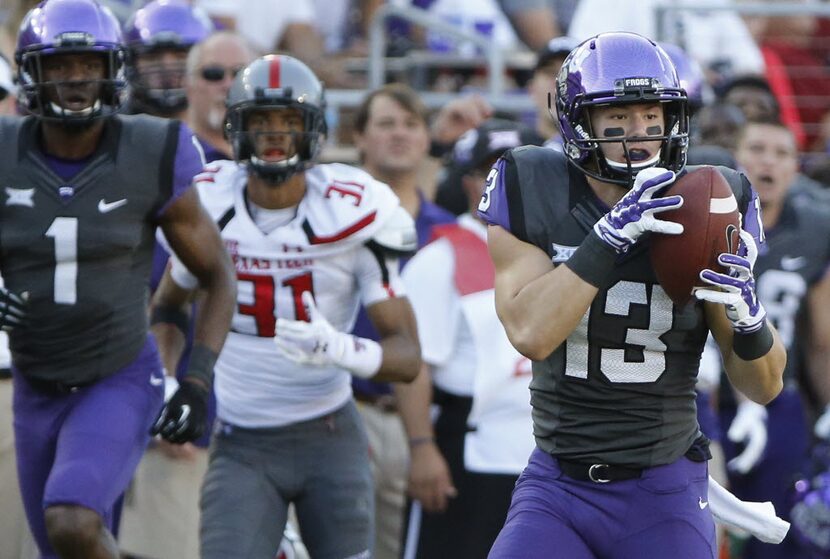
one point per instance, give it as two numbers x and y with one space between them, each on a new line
430 482
186 452
183 418
13 309
635 213
458 116
315 342
318 343
736 290
750 429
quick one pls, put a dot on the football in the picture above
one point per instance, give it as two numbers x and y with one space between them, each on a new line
711 226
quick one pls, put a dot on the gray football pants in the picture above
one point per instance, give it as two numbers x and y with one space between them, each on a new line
320 465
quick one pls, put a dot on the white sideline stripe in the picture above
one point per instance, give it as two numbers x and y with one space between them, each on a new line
723 205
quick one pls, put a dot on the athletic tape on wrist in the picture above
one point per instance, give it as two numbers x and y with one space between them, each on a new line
593 260
362 357
754 345
200 366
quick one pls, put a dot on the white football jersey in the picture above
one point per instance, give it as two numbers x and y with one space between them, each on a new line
322 250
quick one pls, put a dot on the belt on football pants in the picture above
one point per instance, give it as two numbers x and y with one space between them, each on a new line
603 473
598 473
54 387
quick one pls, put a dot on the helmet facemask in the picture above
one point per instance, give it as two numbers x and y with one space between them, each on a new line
670 154
49 100
275 156
156 76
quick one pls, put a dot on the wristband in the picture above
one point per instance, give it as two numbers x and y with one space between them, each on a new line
361 356
200 366
418 441
753 345
171 315
593 260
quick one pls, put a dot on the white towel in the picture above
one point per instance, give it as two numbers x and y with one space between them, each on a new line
759 519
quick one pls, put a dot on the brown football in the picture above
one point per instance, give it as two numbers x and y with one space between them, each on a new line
711 226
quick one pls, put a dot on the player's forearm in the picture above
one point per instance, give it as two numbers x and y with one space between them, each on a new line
401 359
414 400
541 315
217 307
171 341
761 379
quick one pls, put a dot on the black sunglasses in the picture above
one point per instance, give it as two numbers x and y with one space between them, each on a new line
217 73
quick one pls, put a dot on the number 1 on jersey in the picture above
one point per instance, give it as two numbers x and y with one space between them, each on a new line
65 232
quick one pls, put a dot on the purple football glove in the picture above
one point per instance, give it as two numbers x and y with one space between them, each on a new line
634 214
736 290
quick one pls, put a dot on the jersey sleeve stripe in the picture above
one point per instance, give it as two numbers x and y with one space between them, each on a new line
348 231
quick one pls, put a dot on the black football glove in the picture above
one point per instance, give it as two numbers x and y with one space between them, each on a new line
12 309
183 418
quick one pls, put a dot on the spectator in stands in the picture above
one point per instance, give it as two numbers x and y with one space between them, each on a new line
718 39
718 125
548 62
753 95
393 139
211 67
534 21
479 381
292 27
796 71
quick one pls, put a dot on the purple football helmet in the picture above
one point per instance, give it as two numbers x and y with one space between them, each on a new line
619 69
162 25
690 74
59 27
276 81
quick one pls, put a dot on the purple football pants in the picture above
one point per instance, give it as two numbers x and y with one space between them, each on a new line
664 513
82 448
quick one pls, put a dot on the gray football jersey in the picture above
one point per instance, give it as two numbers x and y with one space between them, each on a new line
796 257
621 389
82 248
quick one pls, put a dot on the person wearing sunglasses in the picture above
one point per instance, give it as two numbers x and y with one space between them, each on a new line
211 66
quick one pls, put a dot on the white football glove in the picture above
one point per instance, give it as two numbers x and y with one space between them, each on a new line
635 213
748 427
317 343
